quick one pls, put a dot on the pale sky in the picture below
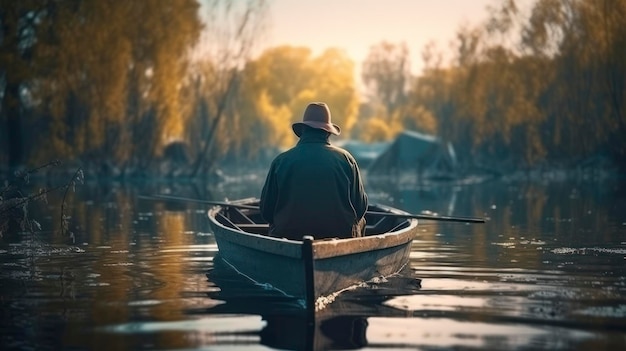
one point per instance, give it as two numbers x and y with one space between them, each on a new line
356 25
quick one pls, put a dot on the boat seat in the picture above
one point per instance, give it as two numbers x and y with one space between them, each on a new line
255 228
237 216
380 224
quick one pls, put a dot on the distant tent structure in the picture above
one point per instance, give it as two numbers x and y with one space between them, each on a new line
420 155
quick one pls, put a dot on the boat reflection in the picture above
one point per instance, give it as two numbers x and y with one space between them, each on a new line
342 324
296 333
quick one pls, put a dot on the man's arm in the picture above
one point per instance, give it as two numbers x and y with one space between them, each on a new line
359 197
267 204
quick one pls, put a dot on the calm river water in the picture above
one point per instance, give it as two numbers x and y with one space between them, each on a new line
547 271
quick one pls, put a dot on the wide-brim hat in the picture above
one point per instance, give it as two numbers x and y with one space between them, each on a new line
316 115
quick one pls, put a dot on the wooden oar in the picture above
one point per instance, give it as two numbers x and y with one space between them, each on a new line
250 207
430 218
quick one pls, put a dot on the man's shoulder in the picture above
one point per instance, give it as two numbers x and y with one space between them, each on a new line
296 151
284 155
341 151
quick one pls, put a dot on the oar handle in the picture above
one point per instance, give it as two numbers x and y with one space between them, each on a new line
430 218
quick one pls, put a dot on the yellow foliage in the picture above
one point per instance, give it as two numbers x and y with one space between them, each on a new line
377 129
278 121
420 118
277 86
98 55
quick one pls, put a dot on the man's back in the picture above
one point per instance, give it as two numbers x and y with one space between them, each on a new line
313 189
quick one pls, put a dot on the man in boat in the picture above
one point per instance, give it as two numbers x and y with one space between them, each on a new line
315 188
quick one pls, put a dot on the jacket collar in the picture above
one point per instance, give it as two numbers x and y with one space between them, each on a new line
314 139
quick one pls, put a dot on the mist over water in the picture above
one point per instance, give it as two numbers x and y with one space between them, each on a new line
547 271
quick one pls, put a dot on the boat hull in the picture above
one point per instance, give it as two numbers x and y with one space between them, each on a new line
281 272
318 269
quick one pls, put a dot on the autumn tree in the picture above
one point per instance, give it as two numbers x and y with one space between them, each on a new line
20 25
230 37
496 90
386 74
527 88
584 40
103 77
277 86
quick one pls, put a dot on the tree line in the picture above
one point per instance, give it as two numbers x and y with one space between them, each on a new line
523 89
112 85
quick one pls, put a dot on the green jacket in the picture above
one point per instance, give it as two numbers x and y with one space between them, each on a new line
315 189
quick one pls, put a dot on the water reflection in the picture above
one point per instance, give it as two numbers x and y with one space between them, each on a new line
545 272
341 325
454 334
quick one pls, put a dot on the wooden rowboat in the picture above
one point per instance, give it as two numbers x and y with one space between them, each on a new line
312 271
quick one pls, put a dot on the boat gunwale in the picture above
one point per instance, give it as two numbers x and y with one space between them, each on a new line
260 242
341 247
322 248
